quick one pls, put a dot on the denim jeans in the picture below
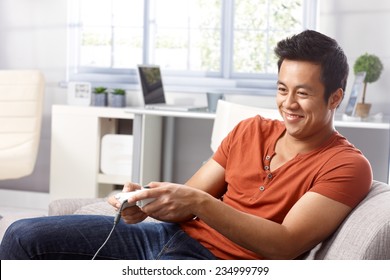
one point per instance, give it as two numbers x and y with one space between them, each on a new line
80 236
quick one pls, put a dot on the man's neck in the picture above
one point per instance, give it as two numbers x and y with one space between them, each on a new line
295 146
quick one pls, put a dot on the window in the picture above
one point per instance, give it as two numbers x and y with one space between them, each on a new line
111 33
228 40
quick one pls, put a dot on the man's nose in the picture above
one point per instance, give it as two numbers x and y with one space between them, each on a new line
290 100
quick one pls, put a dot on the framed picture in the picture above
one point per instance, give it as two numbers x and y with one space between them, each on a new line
355 93
79 93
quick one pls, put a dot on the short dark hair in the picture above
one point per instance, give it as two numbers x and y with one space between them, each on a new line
317 48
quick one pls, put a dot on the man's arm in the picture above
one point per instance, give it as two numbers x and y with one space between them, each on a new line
210 178
313 218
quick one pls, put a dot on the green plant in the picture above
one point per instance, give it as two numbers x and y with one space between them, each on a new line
372 65
119 91
99 90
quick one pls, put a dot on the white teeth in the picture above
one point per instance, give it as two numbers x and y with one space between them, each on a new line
292 117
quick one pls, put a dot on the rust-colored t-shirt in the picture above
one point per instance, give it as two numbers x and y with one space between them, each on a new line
336 170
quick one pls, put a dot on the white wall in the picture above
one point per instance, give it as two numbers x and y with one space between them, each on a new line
33 35
360 27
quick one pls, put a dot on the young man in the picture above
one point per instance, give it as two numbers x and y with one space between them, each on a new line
272 190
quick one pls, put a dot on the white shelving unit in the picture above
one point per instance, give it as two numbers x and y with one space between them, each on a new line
75 150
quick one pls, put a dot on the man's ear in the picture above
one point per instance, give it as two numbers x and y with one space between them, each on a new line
336 98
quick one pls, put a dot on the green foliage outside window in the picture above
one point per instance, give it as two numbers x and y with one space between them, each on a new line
195 41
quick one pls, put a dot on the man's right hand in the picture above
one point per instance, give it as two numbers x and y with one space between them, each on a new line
130 215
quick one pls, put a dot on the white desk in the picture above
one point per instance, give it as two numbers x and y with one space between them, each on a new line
167 140
166 113
77 132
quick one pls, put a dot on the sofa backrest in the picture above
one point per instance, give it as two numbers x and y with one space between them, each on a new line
364 234
229 114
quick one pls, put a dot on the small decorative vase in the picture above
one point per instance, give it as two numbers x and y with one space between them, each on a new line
363 110
99 99
117 100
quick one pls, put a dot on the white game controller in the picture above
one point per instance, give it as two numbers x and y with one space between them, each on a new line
124 196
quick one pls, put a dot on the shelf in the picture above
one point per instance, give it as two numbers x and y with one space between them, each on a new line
375 122
113 179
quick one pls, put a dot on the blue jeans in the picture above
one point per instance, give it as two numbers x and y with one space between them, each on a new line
80 236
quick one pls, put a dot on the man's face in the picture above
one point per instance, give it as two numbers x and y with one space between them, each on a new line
300 100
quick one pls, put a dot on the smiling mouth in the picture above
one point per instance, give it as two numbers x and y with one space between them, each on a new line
292 117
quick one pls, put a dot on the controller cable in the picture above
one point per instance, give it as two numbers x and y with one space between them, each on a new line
116 221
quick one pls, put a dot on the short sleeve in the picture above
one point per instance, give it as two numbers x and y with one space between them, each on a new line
346 177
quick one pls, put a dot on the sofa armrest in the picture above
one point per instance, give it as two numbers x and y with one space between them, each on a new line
70 206
84 206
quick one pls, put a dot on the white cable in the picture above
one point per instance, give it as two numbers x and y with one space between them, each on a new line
116 220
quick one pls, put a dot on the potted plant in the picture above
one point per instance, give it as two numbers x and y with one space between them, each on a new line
372 65
118 98
99 96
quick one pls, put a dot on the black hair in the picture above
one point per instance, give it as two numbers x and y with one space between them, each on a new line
317 48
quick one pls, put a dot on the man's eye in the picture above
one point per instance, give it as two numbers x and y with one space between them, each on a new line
282 90
302 93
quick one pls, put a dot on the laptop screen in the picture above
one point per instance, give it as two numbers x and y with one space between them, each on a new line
151 83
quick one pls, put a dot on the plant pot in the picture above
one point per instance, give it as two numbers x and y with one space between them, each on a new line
117 100
99 99
363 110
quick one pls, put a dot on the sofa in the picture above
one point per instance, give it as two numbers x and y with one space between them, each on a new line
364 234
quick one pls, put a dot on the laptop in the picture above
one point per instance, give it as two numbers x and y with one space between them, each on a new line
153 91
